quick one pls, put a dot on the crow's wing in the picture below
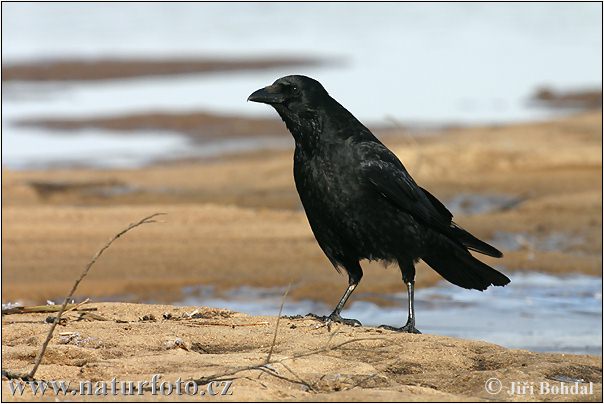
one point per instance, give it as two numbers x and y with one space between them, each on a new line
438 205
386 175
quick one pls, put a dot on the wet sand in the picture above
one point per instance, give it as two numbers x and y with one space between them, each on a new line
106 69
309 362
238 222
586 99
195 125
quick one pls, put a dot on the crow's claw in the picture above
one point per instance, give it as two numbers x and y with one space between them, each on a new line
409 328
336 318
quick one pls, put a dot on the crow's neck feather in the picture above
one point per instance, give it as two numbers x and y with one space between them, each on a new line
330 124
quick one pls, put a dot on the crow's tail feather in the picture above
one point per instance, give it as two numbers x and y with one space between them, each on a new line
459 267
473 243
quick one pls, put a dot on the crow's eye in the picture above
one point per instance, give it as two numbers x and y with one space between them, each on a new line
295 90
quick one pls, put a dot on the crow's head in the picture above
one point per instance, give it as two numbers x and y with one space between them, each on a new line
292 95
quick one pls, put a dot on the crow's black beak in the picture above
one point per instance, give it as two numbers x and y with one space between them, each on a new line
267 95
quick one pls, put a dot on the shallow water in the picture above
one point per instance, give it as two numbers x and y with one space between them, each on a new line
536 311
473 204
33 148
419 63
556 241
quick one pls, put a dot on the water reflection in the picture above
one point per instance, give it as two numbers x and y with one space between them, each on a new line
536 311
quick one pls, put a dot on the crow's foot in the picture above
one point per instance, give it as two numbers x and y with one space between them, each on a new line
336 318
409 328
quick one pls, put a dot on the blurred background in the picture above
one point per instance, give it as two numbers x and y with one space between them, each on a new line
423 64
114 111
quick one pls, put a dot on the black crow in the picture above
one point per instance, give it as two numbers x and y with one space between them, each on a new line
362 203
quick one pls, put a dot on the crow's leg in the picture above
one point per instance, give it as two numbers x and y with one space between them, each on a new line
355 273
335 316
409 279
410 326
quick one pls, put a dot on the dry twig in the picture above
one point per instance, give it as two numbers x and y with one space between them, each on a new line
47 308
270 352
231 325
263 366
148 219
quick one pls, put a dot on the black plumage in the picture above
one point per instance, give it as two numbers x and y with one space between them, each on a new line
362 203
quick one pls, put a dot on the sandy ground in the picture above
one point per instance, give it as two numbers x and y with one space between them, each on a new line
237 221
309 362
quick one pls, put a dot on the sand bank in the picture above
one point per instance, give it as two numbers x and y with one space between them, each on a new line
309 361
104 69
238 222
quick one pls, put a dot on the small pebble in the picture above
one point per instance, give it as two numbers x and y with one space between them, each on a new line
147 317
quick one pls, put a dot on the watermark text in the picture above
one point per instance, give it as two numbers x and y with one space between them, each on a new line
155 386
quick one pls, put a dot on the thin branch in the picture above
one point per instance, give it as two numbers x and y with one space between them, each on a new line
47 308
287 379
301 380
232 325
75 306
234 371
270 352
96 256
